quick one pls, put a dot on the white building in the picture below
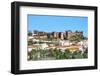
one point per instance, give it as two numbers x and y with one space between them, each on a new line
30 37
64 43
43 46
83 45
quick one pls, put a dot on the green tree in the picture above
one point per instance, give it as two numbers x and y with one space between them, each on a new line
30 42
29 33
76 38
68 54
77 55
85 54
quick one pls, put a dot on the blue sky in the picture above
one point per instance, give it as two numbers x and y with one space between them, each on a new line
57 23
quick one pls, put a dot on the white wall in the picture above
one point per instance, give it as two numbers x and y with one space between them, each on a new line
5 27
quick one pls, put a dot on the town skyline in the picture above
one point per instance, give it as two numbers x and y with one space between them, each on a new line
58 31
54 31
58 24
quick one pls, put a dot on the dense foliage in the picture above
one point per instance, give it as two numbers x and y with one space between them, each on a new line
52 54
